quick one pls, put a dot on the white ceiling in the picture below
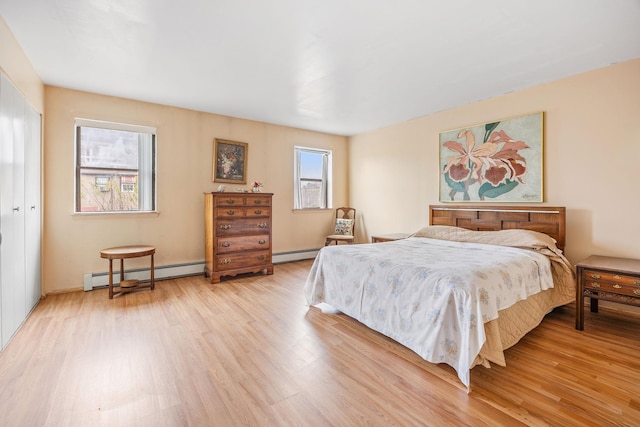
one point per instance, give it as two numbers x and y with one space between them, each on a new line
337 66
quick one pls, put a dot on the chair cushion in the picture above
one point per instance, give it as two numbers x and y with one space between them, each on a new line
344 227
340 237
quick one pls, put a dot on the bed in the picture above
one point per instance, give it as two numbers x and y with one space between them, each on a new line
460 291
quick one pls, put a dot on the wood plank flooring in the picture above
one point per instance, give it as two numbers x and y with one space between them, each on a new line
248 351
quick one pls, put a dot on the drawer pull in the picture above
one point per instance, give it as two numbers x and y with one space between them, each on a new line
262 241
258 211
617 287
225 244
257 202
262 225
261 257
617 277
231 212
230 201
225 261
636 291
225 226
636 282
594 276
594 285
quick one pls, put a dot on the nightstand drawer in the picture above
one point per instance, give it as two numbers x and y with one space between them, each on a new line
611 277
598 285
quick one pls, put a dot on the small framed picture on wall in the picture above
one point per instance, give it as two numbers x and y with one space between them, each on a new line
230 161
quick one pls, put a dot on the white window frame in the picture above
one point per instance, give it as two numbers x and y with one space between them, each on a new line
327 187
147 181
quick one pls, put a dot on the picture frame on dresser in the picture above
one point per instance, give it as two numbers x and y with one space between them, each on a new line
230 161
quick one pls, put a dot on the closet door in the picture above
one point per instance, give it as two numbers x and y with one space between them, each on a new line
5 174
32 206
12 249
8 210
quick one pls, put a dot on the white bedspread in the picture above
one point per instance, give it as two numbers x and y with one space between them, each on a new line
433 296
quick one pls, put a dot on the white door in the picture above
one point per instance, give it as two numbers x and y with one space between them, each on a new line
12 249
32 206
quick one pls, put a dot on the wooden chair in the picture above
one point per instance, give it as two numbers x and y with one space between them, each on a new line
344 228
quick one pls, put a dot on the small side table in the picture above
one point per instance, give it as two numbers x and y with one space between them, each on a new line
606 278
388 237
122 252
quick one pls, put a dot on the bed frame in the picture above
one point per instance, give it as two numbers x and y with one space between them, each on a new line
544 219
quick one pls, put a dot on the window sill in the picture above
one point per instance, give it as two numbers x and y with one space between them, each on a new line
150 214
312 210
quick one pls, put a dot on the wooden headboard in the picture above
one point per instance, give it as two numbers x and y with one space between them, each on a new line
544 219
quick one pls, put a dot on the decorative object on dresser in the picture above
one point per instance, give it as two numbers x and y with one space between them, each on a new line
344 227
380 238
606 278
237 234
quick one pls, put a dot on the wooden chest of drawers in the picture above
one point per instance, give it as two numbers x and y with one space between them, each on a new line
606 278
237 234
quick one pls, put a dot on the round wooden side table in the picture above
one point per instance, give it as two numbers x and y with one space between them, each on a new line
122 252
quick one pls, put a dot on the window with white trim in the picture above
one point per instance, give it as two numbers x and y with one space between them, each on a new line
312 175
115 167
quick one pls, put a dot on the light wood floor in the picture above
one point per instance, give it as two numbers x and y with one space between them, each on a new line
249 351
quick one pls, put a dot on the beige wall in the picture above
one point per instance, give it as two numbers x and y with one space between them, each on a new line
592 147
16 66
591 154
185 150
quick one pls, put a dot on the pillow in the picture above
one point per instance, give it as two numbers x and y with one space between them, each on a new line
344 226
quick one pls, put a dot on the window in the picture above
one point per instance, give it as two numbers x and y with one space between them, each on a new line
128 184
102 183
115 167
312 176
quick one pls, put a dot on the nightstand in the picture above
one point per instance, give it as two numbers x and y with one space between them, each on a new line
388 237
606 278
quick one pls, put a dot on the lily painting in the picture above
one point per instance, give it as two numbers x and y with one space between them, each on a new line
496 161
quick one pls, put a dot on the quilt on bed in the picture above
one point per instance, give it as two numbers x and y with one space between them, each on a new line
430 295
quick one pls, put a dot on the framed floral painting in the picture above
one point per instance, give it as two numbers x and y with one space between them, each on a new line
497 161
230 161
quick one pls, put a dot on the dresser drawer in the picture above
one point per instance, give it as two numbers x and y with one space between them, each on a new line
257 200
242 260
231 212
230 227
258 211
231 200
242 243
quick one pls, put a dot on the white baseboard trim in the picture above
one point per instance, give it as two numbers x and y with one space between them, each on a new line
101 279
283 257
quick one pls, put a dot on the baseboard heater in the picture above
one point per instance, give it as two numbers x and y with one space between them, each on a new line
101 279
